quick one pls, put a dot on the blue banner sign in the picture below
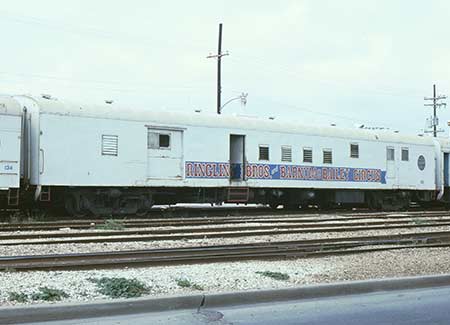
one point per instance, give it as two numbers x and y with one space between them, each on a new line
196 169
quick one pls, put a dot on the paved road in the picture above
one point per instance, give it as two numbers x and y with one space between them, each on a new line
421 306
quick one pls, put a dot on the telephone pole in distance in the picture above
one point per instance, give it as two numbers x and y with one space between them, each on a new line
219 68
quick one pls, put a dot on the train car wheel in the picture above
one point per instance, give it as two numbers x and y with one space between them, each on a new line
72 207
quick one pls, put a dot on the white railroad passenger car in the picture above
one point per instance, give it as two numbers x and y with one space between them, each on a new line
104 159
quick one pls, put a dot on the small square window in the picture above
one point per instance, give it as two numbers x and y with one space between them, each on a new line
405 154
390 154
307 155
164 140
156 140
263 152
327 156
354 150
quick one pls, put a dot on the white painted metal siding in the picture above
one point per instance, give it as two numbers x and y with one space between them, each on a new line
10 142
71 147
165 160
71 152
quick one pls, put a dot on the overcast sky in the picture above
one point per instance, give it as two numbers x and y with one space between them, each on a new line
315 62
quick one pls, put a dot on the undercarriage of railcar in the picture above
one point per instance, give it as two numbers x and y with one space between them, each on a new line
106 201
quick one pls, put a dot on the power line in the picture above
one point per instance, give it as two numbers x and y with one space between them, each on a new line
308 109
57 26
263 65
87 81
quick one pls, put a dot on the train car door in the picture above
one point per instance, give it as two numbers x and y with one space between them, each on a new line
237 157
391 171
446 169
165 153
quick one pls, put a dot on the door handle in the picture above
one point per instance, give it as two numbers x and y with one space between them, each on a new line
43 161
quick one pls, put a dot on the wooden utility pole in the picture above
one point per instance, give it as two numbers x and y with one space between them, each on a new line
435 105
219 68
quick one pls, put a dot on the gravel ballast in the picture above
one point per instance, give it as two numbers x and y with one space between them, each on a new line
223 277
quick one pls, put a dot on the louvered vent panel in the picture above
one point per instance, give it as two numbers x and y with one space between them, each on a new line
354 151
263 153
286 154
110 145
327 157
307 155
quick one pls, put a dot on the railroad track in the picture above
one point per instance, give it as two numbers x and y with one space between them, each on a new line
229 231
202 233
182 222
261 251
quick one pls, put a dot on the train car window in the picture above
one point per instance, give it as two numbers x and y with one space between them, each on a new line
110 145
307 155
327 156
286 153
421 162
263 152
354 150
405 154
164 140
156 140
390 154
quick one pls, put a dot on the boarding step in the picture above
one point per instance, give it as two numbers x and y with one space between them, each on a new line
45 194
238 194
13 196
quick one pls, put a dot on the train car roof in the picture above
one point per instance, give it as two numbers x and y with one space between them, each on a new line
10 106
182 119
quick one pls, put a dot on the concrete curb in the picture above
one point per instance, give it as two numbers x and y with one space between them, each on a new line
40 313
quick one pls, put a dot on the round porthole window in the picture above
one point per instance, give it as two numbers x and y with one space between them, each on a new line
421 162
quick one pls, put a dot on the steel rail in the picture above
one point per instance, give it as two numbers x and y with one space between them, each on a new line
42 226
312 227
275 250
204 233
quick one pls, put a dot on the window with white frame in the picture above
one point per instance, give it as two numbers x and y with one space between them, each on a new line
390 154
158 140
405 154
354 150
263 152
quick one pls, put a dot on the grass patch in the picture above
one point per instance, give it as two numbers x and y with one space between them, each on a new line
18 297
111 224
186 283
418 221
274 275
120 287
49 294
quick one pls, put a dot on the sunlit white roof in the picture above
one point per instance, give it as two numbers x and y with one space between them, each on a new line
183 119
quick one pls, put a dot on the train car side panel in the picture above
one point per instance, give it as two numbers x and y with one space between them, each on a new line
10 151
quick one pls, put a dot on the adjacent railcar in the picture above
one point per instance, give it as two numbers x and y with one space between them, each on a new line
104 159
